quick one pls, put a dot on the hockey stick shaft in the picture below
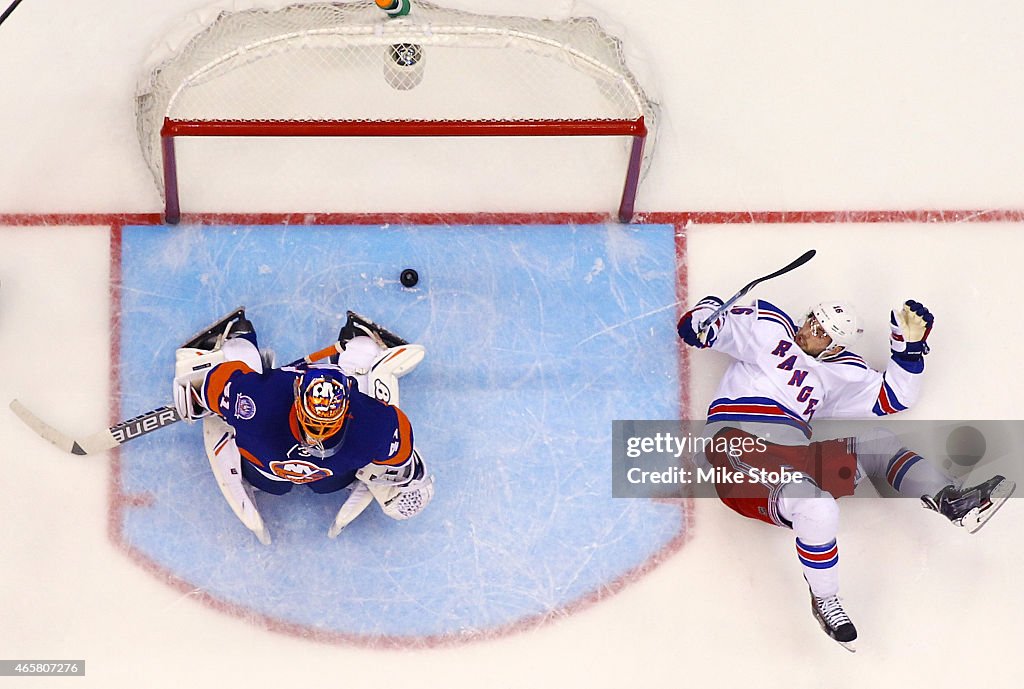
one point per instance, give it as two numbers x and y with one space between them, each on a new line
807 256
327 351
103 440
13 6
120 432
387 338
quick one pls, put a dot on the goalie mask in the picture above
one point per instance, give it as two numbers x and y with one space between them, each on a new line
321 404
839 322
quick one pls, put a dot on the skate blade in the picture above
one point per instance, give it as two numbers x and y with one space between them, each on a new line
977 518
850 646
214 328
388 338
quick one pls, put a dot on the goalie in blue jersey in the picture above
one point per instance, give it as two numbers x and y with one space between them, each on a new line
325 425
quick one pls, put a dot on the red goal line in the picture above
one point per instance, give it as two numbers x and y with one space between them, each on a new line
681 219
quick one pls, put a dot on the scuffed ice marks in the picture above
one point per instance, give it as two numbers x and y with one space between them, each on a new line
531 354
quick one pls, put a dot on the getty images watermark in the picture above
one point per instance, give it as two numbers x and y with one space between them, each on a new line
683 458
676 445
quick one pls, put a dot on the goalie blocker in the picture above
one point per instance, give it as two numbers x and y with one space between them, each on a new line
327 425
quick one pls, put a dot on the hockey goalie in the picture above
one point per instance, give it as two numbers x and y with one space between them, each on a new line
330 426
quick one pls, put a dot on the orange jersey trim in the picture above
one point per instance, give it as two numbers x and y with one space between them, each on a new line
250 457
217 380
404 451
293 424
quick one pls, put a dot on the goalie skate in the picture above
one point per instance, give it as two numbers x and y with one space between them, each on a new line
212 336
834 621
971 507
357 325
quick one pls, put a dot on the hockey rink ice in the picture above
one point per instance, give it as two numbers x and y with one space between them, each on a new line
528 325
523 553
846 130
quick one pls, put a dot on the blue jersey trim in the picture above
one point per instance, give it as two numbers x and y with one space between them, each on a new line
848 358
766 311
756 409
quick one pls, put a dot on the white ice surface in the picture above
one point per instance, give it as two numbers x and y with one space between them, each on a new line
929 600
781 106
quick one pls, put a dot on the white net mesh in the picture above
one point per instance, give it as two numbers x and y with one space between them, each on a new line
349 61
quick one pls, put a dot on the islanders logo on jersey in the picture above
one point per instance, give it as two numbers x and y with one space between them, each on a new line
298 471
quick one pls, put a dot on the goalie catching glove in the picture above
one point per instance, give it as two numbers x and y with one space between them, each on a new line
910 326
401 491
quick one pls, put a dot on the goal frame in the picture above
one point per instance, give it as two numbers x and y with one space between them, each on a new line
173 129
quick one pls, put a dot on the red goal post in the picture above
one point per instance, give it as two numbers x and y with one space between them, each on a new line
346 70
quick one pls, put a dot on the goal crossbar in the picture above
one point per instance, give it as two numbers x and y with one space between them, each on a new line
173 129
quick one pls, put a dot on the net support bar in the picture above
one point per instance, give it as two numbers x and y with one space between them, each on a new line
394 128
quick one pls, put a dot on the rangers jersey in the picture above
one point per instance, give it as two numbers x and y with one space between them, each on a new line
260 408
774 381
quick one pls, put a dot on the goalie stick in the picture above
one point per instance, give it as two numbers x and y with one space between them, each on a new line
103 440
702 328
136 426
119 433
353 325
128 429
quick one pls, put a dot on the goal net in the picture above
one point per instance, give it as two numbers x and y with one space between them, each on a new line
348 70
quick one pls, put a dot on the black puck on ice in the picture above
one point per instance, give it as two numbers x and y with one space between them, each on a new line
409 277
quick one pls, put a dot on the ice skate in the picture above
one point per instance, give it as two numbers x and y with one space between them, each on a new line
357 325
834 621
973 506
212 336
233 324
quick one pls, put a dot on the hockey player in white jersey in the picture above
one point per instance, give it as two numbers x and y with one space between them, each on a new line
785 375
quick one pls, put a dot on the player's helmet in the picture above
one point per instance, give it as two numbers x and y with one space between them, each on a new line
839 321
321 403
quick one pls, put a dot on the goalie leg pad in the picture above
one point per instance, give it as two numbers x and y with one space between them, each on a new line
391 365
359 355
398 361
242 349
358 500
225 461
192 364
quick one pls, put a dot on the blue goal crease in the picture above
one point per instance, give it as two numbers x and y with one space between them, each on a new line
537 338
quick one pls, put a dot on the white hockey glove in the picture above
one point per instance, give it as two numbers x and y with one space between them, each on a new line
909 328
190 368
402 491
691 320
